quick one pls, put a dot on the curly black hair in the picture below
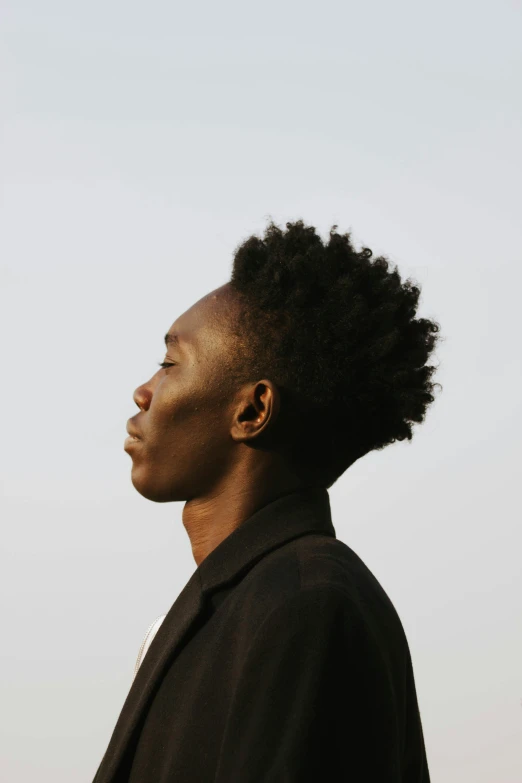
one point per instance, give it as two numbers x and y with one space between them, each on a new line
336 331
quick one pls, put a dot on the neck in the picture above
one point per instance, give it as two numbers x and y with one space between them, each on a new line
209 519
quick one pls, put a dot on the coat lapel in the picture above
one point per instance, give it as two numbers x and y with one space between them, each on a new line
173 630
288 517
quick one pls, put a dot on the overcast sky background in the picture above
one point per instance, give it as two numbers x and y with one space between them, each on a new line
141 143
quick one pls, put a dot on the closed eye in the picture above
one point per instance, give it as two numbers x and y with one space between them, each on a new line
164 365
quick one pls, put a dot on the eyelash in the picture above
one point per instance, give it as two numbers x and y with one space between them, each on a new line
164 365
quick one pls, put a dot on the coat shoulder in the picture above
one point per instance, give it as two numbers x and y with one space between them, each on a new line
314 564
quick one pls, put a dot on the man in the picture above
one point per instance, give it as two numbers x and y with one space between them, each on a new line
282 660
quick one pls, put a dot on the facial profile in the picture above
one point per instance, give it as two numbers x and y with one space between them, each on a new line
181 440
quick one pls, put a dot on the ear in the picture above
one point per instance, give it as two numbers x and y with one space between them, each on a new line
256 412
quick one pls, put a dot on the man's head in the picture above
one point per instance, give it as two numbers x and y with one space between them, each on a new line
310 355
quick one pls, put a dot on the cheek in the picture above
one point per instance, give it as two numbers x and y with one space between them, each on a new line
174 408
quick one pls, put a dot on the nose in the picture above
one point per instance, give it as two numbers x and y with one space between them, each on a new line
142 397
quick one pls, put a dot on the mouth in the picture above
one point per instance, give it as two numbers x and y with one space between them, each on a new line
131 432
131 440
133 436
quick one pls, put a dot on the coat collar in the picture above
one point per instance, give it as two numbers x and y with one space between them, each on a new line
288 517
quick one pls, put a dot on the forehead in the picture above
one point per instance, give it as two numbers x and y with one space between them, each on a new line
202 325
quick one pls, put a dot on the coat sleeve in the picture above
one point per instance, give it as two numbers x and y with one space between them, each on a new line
313 699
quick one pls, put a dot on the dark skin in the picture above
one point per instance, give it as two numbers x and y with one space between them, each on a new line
196 442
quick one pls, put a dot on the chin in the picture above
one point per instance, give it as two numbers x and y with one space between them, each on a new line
150 488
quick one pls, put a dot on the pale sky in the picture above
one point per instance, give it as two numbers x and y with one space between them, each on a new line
141 142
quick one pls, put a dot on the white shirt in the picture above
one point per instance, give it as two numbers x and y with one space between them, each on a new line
149 636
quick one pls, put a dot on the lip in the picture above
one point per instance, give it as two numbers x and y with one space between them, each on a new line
133 433
130 441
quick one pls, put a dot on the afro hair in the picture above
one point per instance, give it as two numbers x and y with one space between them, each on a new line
335 330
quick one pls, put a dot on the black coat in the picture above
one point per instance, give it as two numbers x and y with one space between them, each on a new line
281 661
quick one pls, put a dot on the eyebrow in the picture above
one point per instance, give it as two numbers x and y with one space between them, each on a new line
171 339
